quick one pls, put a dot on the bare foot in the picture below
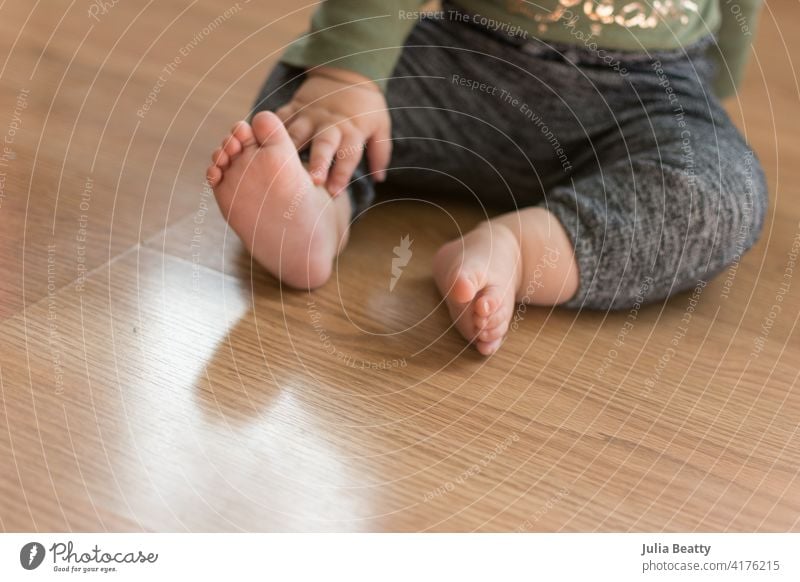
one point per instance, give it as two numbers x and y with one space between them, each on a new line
290 226
479 277
523 256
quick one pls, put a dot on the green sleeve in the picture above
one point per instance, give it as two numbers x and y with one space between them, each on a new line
735 38
365 36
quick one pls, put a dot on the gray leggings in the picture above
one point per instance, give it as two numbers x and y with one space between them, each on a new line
631 151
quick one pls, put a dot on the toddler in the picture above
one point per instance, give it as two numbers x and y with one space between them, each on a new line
595 124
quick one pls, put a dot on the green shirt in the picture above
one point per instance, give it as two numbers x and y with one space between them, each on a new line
366 36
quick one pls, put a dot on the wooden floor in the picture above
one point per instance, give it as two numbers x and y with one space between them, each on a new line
150 379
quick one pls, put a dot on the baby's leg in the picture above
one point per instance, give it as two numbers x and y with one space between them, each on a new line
523 256
293 228
662 219
646 226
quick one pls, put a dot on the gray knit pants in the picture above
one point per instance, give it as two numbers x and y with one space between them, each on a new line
631 151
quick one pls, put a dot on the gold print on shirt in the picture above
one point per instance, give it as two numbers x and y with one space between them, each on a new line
637 14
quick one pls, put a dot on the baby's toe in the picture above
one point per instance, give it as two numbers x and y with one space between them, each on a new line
488 348
231 145
462 288
268 130
244 133
488 301
489 334
220 158
503 314
213 175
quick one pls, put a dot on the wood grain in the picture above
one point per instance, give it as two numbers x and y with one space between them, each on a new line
152 379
